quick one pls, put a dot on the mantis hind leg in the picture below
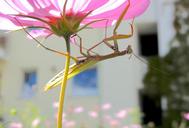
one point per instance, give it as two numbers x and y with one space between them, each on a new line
122 36
115 36
81 48
89 51
121 17
103 41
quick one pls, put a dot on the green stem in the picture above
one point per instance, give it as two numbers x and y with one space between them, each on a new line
63 86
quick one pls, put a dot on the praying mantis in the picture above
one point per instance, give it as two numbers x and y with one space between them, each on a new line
83 65
89 60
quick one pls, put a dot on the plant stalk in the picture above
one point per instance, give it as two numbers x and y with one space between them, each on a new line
63 86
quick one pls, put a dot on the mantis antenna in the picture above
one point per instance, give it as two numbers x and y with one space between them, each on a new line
152 66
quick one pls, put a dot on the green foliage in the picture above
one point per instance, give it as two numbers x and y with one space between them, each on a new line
25 116
13 112
175 85
156 79
1 125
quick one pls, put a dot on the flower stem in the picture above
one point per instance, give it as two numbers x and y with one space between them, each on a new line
63 87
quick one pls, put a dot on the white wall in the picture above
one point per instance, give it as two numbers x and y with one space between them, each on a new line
165 25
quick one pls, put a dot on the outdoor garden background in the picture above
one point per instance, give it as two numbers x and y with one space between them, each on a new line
126 93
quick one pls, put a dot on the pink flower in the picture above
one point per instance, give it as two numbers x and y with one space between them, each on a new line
78 109
36 122
16 125
135 126
107 118
55 105
93 114
70 124
106 106
49 16
114 123
47 124
121 114
186 116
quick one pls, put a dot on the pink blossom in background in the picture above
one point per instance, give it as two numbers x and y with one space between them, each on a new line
78 109
125 127
106 106
186 116
121 114
64 115
49 12
16 125
47 124
114 123
36 122
55 105
64 121
93 114
107 118
70 124
135 126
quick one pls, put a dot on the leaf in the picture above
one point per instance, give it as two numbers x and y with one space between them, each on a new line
74 70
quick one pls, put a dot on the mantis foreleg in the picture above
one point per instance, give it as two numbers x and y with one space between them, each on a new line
120 19
122 36
80 45
116 36
113 38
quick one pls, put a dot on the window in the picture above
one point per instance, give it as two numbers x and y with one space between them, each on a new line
30 81
151 108
148 44
85 83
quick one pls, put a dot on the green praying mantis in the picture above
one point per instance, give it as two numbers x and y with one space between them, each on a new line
88 60
83 65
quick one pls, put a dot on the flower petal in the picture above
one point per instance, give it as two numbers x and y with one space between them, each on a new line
99 24
39 33
6 9
6 24
110 10
136 8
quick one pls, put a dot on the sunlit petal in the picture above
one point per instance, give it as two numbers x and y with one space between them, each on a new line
107 10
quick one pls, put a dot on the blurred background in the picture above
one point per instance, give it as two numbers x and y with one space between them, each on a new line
149 89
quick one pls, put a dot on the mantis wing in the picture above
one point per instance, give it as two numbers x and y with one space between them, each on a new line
74 70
